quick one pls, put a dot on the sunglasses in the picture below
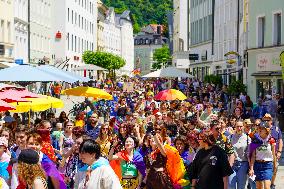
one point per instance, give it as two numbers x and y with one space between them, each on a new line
218 128
105 129
158 129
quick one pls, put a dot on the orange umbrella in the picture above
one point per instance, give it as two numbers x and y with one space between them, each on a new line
170 94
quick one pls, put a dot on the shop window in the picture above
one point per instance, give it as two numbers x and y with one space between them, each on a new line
263 87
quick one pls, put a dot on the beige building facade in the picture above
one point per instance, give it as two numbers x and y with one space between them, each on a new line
6 33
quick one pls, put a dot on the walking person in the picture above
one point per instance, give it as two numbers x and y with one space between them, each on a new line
210 160
263 158
240 141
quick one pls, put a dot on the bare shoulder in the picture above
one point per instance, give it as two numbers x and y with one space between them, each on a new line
39 183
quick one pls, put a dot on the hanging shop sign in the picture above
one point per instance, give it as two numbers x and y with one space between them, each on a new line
231 57
282 63
268 62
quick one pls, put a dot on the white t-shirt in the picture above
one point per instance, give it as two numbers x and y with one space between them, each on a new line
102 178
264 152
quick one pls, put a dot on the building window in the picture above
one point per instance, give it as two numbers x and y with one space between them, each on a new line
75 49
72 42
82 45
72 17
79 49
261 31
68 41
79 20
68 12
9 32
75 17
2 33
277 29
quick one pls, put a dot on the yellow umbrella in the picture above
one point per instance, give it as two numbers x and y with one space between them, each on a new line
88 92
37 104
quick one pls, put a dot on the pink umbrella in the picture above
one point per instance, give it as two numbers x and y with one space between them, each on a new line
17 96
4 87
4 106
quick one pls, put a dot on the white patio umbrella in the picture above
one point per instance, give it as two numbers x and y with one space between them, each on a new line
169 72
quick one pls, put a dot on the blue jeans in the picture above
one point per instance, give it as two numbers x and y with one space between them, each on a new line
238 179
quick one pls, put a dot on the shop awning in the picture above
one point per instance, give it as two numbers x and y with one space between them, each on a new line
256 74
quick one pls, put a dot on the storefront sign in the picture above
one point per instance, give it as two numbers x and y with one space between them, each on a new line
268 62
231 57
282 63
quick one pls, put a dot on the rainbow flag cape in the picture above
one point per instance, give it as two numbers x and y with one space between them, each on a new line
175 167
137 161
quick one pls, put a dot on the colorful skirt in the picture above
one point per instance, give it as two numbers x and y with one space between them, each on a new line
129 183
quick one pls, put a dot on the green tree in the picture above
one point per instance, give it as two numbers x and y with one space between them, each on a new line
236 87
161 56
145 11
213 79
105 60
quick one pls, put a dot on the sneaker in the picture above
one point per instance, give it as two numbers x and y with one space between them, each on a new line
272 186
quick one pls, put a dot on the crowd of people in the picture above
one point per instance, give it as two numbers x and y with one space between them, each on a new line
209 141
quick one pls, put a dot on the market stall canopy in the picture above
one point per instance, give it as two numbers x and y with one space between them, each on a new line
37 104
169 72
71 77
23 73
89 67
88 92
170 94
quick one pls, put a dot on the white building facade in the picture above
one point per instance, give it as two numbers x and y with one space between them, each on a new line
225 38
74 31
40 30
181 36
112 34
21 31
6 33
118 38
201 34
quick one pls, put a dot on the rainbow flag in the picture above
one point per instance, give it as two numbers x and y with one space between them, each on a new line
136 71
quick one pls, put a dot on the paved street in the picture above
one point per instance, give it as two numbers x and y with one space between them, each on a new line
69 103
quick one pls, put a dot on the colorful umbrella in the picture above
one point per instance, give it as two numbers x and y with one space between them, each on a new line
4 106
37 104
170 94
88 92
12 95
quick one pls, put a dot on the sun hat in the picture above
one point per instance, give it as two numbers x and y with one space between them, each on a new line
267 117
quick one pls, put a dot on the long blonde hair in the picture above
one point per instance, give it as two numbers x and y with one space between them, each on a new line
29 172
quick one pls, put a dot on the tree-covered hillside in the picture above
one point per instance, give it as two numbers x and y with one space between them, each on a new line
144 12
